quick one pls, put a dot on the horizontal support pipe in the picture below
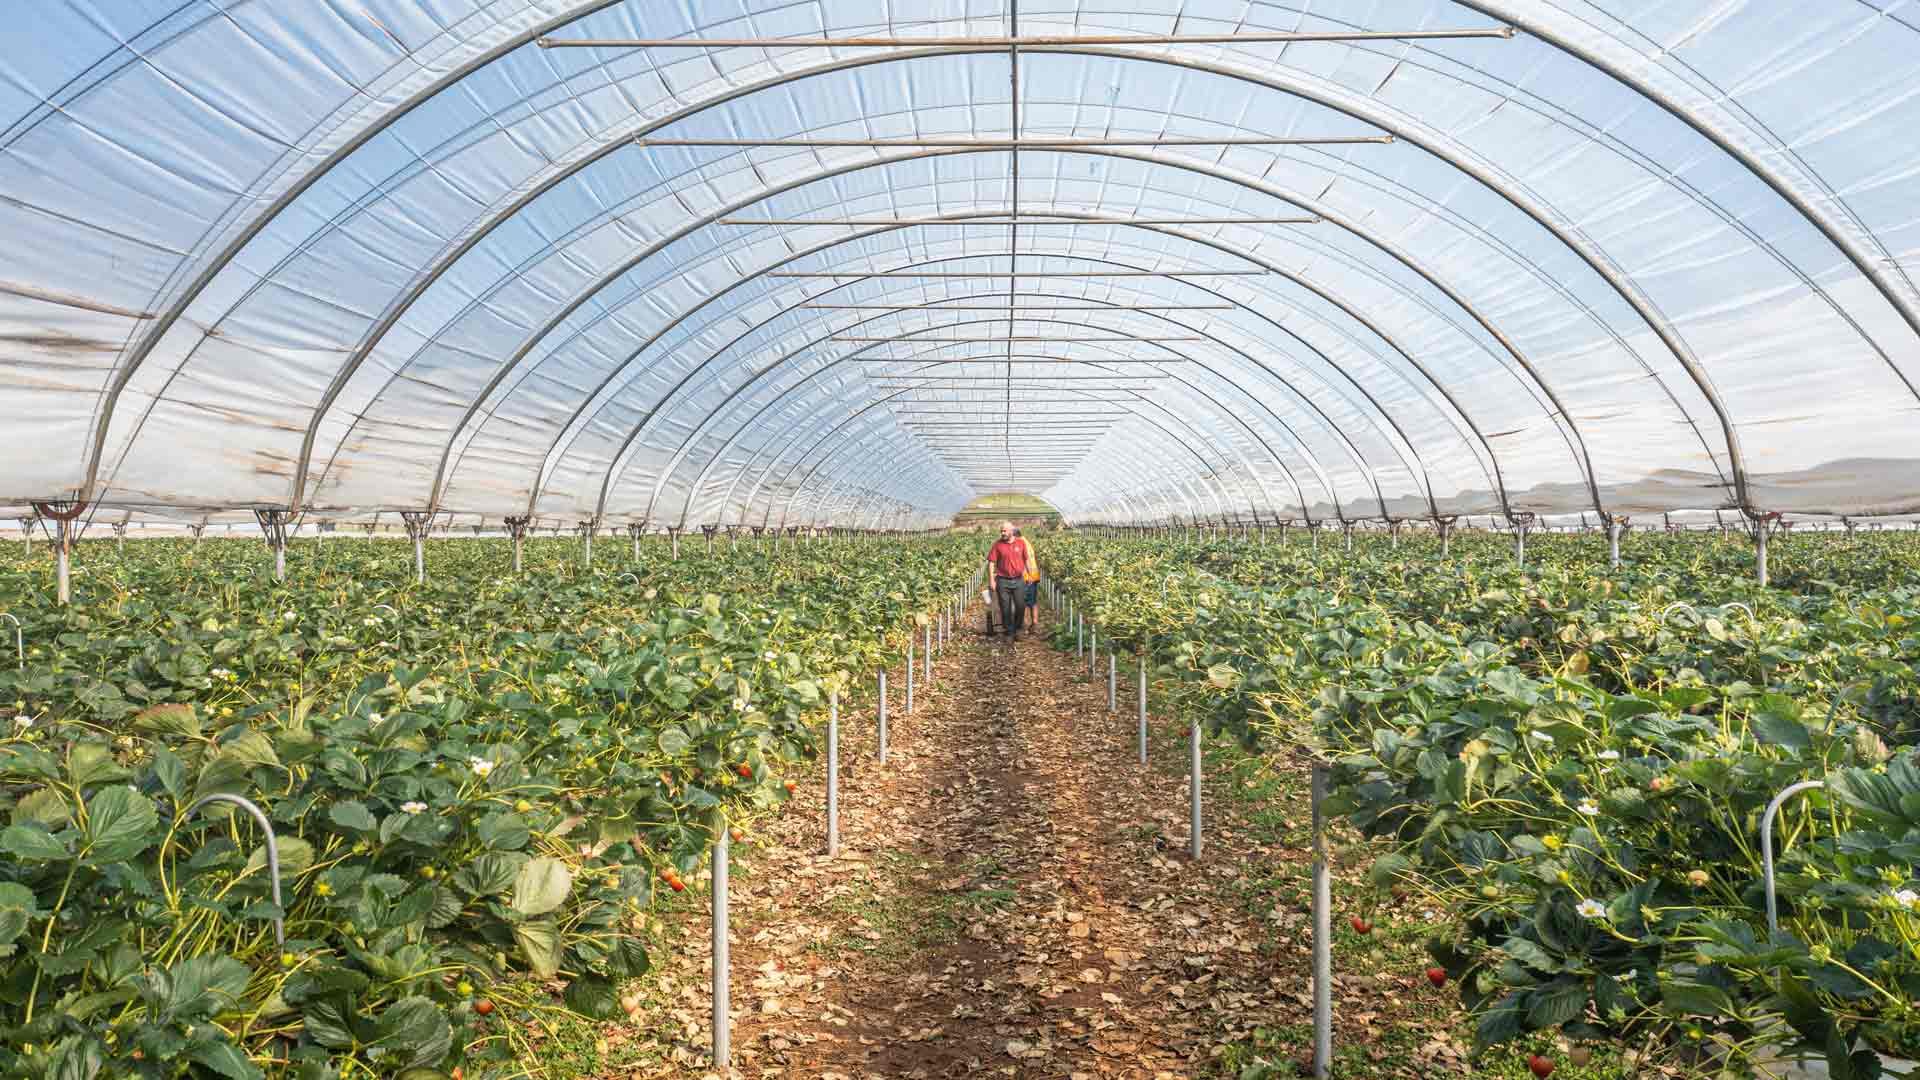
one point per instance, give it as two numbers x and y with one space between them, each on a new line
1023 218
1275 37
1023 338
1023 307
1010 273
1001 360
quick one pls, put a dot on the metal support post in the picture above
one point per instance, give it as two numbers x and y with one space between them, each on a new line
927 651
1613 544
1093 648
1193 785
517 530
417 523
833 773
909 672
1322 934
1143 707
1079 636
722 962
1766 847
881 719
1113 680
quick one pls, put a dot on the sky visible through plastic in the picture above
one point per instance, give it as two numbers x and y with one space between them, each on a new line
364 256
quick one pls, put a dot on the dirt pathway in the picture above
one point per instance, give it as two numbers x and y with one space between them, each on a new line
1012 898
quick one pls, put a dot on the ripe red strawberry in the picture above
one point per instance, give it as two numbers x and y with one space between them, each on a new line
483 1006
746 771
1360 925
790 787
737 835
1542 1067
1437 976
677 885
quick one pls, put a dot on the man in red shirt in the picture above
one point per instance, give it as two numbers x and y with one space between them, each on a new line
1007 560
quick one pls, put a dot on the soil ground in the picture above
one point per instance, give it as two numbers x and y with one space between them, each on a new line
1013 897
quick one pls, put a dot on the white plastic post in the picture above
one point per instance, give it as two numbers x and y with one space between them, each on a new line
909 673
61 541
1143 708
927 652
1113 680
419 560
881 727
1193 783
1759 550
722 1010
833 773
1093 648
1322 935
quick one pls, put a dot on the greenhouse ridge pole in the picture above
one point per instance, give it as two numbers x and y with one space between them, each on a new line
1015 41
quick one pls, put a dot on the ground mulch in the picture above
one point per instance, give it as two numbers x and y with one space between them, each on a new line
1012 897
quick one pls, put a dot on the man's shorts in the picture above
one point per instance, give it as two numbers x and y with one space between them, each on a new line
1033 593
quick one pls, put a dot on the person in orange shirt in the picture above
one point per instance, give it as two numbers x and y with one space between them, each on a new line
1032 578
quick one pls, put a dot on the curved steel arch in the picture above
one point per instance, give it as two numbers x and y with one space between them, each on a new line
1571 428
1366 470
856 482
1176 477
747 424
1583 463
1577 443
614 467
1211 468
367 133
930 465
767 472
1565 416
831 433
1870 267
1125 466
818 506
1621 284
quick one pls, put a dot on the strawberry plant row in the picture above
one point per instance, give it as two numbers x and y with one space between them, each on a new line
1573 761
477 785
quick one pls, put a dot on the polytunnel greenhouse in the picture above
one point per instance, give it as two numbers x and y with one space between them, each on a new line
1173 538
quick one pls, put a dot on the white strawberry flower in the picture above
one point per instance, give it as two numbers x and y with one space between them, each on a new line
1908 899
415 807
1609 755
374 719
1591 908
480 766
22 722
1543 736
1588 806
289 616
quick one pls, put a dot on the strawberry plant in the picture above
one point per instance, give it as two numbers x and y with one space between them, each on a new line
475 787
1574 760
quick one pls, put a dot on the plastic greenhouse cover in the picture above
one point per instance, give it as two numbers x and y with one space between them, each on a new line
361 257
